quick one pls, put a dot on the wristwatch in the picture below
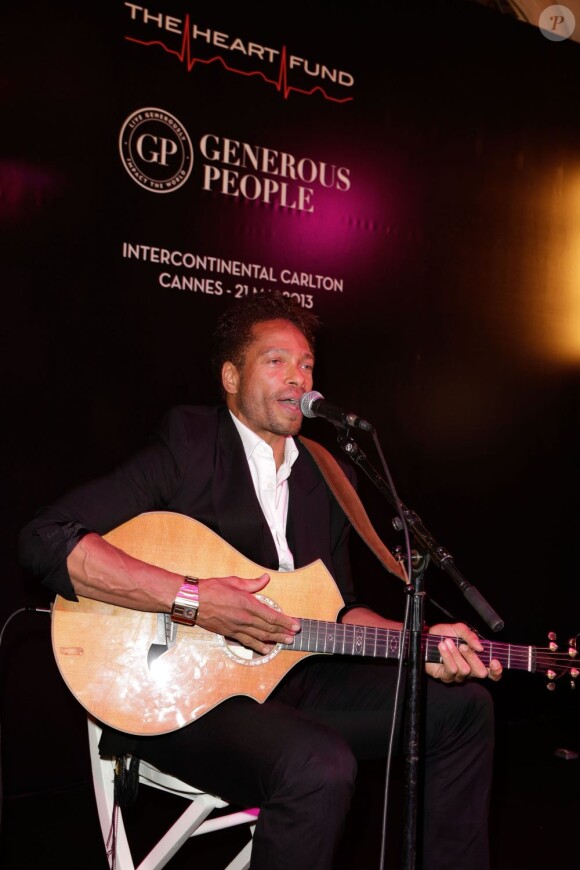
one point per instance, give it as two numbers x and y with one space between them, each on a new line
186 605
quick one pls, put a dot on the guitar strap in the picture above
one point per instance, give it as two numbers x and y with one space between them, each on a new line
348 499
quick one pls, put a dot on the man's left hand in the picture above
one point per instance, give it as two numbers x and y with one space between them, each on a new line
460 661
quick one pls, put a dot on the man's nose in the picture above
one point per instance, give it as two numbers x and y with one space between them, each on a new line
296 375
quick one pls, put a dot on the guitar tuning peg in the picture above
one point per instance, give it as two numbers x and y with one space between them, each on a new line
552 635
551 675
572 684
550 687
574 673
572 651
552 646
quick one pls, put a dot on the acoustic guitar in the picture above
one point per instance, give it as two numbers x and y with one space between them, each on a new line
143 674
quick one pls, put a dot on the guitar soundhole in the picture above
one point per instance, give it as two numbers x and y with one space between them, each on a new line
242 655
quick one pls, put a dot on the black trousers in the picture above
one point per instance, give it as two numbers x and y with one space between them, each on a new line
295 756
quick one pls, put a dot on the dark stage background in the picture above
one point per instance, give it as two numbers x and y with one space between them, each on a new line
428 211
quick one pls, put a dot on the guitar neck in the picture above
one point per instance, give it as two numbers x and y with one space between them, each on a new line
386 643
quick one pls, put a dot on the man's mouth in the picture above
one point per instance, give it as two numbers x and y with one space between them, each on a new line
293 404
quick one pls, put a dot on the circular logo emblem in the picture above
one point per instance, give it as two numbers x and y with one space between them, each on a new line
557 23
156 150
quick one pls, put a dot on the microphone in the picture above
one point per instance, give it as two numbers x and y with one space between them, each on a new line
313 404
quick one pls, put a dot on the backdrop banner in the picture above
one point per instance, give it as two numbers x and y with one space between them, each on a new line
412 175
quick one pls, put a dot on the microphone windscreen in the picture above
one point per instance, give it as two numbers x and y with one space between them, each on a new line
307 401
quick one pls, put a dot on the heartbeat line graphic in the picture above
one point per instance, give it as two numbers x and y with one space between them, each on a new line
281 83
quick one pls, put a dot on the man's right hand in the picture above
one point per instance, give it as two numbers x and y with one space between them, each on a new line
228 606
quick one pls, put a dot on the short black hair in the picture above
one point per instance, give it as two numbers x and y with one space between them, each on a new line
234 328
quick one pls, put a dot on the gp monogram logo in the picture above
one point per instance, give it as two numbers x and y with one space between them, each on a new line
156 150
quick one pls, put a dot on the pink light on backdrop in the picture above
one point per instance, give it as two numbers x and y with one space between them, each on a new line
24 188
346 230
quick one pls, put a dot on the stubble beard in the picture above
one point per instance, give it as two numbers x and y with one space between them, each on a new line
269 420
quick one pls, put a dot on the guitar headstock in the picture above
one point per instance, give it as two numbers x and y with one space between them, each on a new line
561 663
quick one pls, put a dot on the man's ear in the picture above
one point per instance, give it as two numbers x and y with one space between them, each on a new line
230 378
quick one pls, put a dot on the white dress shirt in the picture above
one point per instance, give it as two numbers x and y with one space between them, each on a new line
271 486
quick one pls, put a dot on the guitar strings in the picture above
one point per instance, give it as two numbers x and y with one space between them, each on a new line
318 635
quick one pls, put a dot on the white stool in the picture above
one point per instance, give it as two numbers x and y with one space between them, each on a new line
191 823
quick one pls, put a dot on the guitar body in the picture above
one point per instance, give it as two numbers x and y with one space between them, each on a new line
142 674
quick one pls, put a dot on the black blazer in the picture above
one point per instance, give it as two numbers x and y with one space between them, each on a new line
195 464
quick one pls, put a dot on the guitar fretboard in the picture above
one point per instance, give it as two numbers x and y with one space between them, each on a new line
358 640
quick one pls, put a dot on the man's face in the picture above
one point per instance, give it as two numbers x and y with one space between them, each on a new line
264 391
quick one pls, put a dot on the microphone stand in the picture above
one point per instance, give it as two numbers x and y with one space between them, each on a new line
428 549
